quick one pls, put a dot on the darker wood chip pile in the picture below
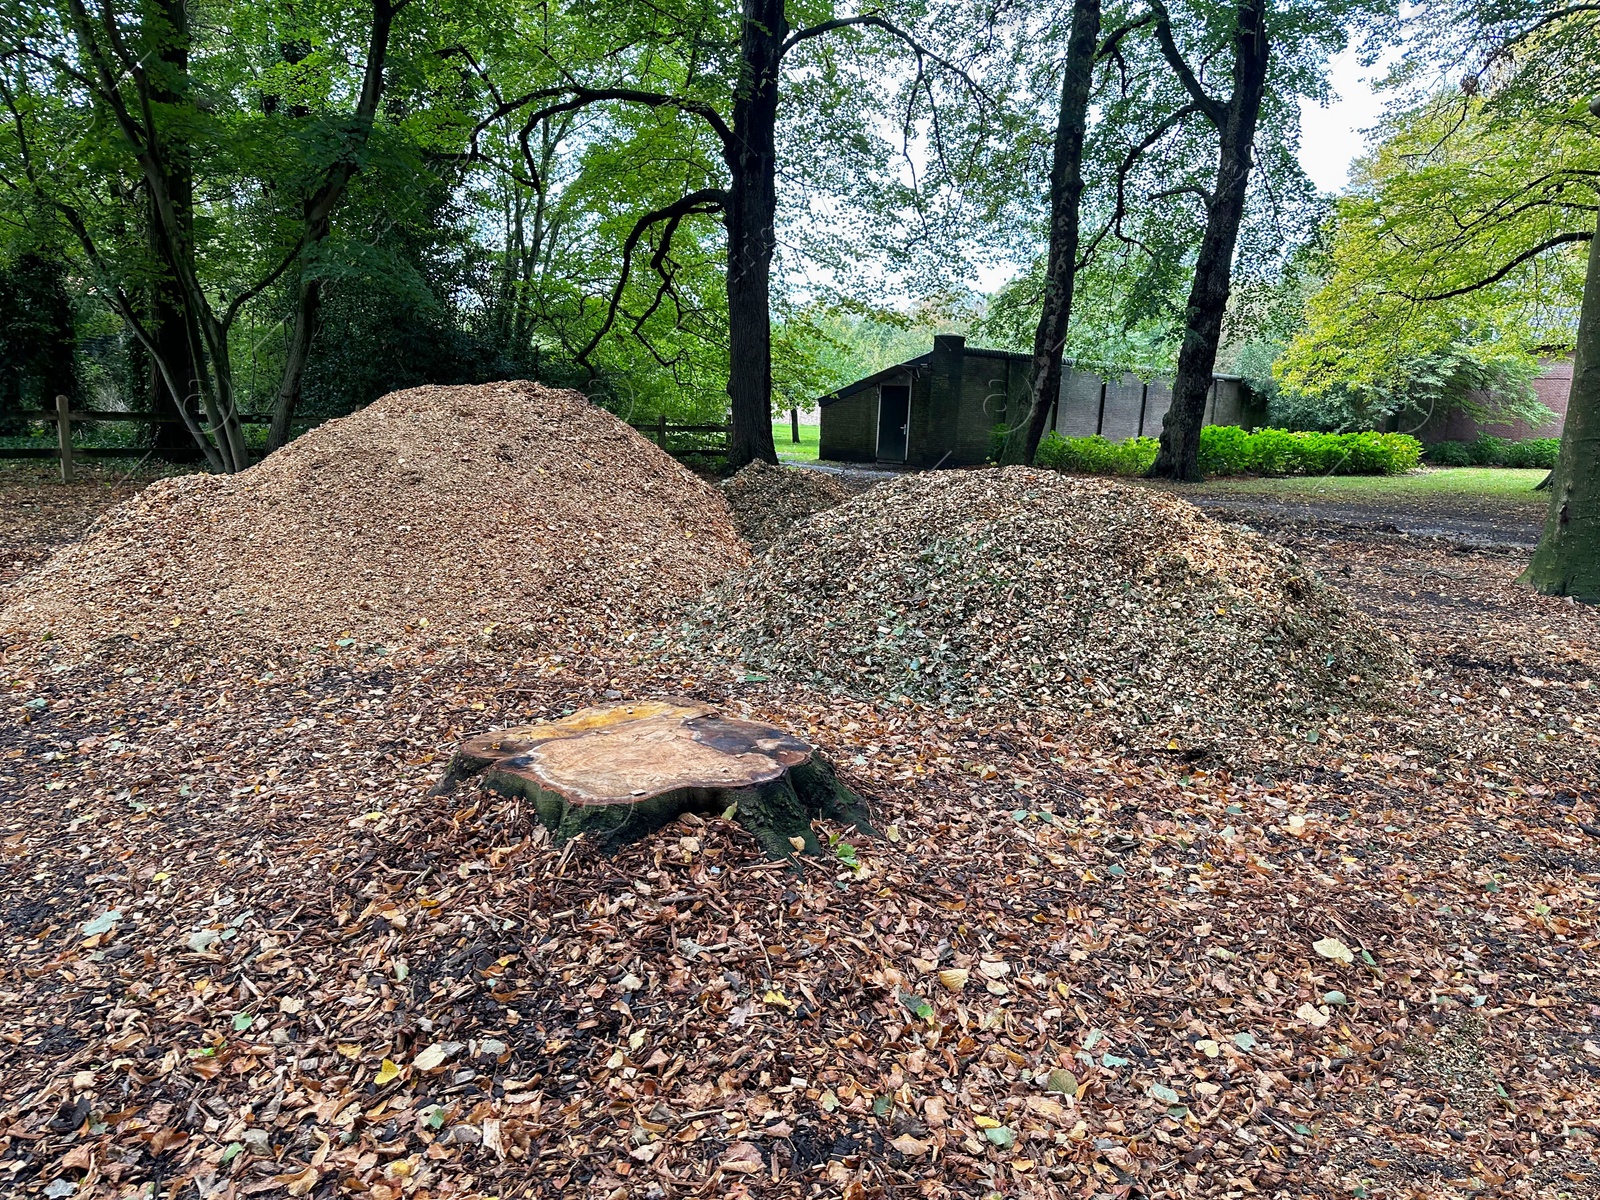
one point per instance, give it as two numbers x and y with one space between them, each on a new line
506 512
1035 589
767 501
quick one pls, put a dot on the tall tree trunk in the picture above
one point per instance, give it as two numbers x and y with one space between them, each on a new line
1567 562
1179 456
308 306
750 216
318 218
168 437
1066 193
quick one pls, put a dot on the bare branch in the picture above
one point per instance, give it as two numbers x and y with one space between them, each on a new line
878 21
1213 110
571 97
1113 39
1522 35
1564 239
1190 189
705 200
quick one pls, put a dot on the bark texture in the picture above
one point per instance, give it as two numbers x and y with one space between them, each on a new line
621 772
1066 195
752 157
1235 120
1567 561
168 437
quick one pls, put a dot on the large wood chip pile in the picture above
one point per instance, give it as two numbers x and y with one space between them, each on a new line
768 501
1031 588
437 515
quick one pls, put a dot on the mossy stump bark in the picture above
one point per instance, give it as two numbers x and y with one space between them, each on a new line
620 772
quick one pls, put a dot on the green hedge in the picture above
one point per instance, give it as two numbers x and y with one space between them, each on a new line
1489 451
1229 450
1095 455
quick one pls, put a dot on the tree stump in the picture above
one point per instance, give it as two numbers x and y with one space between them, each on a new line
620 772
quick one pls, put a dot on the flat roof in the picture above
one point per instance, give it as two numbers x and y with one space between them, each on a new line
912 365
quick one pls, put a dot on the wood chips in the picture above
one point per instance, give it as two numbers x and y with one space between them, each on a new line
767 501
249 954
1034 589
507 512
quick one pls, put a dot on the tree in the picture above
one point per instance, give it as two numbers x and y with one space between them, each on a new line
1066 197
1453 258
1235 119
1153 224
1275 53
1567 560
36 332
163 312
350 136
1531 88
160 125
740 110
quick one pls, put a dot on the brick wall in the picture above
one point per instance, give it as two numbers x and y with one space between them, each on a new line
1553 386
850 428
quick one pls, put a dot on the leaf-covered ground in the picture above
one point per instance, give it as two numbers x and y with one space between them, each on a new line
247 953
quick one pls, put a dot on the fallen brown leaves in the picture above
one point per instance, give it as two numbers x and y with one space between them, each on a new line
248 954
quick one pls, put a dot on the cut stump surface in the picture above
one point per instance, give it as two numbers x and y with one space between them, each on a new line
622 771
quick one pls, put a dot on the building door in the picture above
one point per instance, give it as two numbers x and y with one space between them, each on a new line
894 421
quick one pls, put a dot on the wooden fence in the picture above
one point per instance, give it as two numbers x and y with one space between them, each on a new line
715 435
64 418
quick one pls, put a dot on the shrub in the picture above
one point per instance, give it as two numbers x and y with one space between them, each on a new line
1229 450
1488 451
997 441
1096 455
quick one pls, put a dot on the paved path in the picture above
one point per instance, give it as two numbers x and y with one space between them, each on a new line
1465 525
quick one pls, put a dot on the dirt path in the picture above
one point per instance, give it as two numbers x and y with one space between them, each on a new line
1464 518
1488 527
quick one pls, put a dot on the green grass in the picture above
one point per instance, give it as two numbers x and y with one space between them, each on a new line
803 451
1508 484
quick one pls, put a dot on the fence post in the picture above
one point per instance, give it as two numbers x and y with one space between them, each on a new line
661 432
64 436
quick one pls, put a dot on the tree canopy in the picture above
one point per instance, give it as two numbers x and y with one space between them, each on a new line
1458 252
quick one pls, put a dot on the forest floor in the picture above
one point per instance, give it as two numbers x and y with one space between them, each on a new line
38 512
249 954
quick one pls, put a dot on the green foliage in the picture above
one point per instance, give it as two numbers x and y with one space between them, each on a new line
1488 451
1149 159
1230 450
1096 455
843 341
1120 320
37 333
1437 289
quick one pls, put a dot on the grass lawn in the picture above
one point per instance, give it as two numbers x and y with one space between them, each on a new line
1494 484
803 451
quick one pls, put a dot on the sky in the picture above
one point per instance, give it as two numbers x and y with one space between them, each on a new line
1331 137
